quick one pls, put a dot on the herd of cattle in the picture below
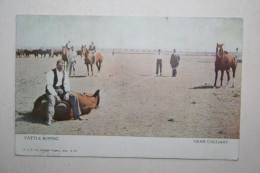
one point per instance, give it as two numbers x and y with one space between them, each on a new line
20 53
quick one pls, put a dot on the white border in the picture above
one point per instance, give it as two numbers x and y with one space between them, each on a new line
111 146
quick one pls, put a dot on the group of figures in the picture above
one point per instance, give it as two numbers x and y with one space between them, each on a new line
35 52
58 100
73 105
174 61
224 62
69 56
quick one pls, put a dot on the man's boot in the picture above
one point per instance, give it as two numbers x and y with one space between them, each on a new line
49 121
77 117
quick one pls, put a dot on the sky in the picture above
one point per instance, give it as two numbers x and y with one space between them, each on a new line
167 33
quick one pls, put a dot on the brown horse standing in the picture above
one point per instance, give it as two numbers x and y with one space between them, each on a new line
99 59
88 58
65 53
224 62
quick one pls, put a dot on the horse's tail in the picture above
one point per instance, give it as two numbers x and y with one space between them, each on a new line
99 57
96 93
234 61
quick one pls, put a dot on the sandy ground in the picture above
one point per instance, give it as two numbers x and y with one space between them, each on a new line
134 102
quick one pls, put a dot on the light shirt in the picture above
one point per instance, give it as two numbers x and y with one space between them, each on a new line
159 56
69 45
50 80
72 56
92 49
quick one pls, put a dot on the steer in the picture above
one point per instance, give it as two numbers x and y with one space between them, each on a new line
63 110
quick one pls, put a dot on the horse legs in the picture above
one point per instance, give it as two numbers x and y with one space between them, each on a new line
228 77
67 65
221 78
91 68
216 77
88 69
234 74
98 63
99 66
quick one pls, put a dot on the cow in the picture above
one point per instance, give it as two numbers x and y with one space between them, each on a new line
44 52
63 110
79 52
29 52
19 53
57 52
49 52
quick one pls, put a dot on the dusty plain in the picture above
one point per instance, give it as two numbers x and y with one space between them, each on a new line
136 102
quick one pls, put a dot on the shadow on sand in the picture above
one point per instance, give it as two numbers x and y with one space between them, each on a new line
29 117
77 76
205 87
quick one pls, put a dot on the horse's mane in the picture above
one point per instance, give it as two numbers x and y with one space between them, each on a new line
84 50
64 49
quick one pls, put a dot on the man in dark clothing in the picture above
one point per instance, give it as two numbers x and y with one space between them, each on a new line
174 63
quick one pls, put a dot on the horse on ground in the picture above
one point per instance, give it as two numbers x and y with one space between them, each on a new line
65 55
224 62
88 58
63 110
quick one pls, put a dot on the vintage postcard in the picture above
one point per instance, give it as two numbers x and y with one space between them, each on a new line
151 87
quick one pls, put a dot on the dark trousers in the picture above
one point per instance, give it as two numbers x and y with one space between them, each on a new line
159 65
93 59
72 66
174 72
52 101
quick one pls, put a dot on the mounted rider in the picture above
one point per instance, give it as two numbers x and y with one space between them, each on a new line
92 50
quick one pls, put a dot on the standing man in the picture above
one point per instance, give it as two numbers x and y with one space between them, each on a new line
57 88
159 57
92 50
113 52
68 45
174 63
72 60
236 56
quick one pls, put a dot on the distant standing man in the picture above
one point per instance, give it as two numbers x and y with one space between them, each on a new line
72 60
113 52
68 45
57 88
159 57
236 53
92 50
174 63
